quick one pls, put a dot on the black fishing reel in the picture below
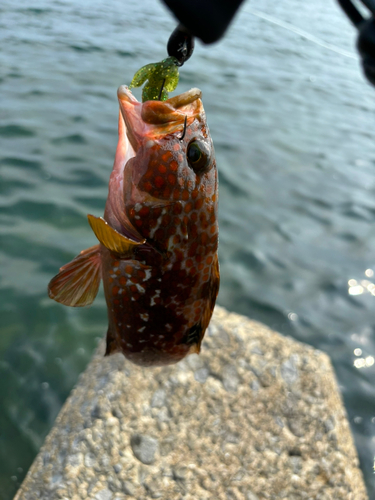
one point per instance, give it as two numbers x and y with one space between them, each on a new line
366 35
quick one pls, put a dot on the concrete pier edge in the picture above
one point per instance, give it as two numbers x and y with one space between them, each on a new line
255 416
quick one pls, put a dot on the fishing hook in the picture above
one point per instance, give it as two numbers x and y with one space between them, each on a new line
184 132
161 90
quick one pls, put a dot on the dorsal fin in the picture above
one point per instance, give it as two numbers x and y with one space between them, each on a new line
112 239
77 283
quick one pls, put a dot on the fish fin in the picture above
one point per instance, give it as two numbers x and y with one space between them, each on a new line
213 291
196 333
195 349
112 239
77 283
193 337
112 346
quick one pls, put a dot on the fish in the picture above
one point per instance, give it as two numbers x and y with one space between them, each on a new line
158 239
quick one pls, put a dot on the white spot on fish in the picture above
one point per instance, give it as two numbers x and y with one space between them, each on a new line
129 345
120 291
157 294
140 288
148 274
140 330
137 207
171 244
115 269
168 327
161 336
144 316
149 144
158 222
113 276
142 341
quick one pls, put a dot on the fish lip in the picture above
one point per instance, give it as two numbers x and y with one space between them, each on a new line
153 118
173 111
123 93
188 97
130 109
185 98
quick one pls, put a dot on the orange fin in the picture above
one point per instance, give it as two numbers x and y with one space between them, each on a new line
112 239
77 283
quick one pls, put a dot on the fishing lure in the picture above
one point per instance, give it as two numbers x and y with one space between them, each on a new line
162 77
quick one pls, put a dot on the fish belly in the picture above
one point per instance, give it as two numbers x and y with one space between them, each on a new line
154 311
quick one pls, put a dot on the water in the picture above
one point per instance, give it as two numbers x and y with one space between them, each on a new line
293 124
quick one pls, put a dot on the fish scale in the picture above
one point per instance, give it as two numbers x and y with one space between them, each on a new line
159 235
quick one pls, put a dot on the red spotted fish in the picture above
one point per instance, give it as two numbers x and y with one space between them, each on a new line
157 254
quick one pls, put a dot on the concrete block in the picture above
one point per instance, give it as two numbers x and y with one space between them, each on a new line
255 416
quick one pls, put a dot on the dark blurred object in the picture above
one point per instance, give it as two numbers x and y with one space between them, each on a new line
366 48
209 19
366 35
205 19
181 44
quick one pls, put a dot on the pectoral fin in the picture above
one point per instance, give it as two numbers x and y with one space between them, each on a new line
77 283
112 239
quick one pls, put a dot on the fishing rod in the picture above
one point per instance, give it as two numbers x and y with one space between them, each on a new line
209 19
366 34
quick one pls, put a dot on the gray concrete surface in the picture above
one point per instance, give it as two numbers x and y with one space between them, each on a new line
254 416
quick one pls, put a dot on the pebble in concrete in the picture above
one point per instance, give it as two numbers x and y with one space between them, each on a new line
255 416
144 448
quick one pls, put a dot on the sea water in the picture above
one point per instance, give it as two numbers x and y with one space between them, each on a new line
292 119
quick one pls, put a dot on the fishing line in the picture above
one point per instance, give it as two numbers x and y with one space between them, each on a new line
302 33
370 4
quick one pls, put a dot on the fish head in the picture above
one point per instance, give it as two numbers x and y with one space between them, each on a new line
172 173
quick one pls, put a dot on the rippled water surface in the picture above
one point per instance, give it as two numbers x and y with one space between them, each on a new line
293 124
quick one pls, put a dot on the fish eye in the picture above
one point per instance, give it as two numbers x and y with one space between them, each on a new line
198 156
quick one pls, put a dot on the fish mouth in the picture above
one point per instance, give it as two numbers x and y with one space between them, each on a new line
130 112
155 118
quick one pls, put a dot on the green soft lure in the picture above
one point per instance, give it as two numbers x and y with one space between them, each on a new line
162 77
